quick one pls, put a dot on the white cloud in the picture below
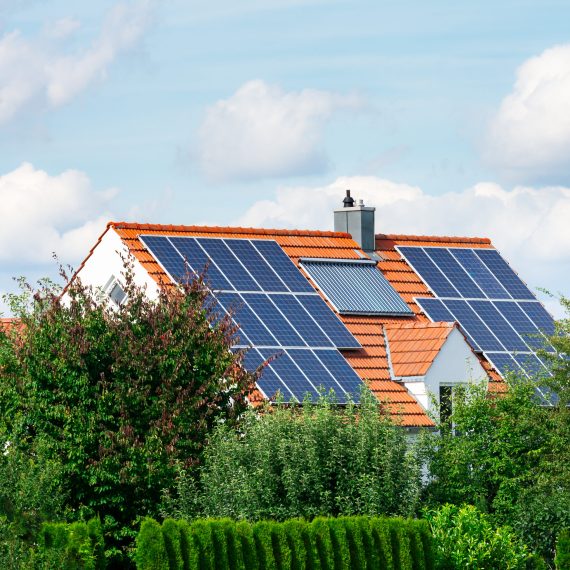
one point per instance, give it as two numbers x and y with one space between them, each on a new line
529 138
40 71
262 131
529 225
42 214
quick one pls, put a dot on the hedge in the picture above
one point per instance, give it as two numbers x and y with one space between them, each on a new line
364 543
74 546
562 559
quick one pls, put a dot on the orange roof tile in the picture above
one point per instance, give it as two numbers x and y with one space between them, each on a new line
413 347
371 362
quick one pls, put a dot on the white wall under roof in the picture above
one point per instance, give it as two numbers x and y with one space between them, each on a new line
454 364
105 261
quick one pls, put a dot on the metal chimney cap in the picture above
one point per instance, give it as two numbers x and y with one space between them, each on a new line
348 202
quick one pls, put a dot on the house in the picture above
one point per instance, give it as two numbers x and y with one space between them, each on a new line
410 316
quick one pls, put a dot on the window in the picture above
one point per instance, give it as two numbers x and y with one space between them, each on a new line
114 290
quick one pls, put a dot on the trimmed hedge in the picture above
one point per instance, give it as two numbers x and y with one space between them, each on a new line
562 559
362 543
74 546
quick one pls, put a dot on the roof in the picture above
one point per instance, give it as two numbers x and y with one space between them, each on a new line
414 346
370 362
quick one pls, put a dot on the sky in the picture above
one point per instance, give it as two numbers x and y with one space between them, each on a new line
450 118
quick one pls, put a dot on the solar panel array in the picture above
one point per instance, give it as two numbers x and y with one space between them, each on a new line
355 287
277 310
499 314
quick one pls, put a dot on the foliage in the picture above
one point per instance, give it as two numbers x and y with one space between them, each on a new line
316 461
562 559
466 538
324 544
120 397
509 455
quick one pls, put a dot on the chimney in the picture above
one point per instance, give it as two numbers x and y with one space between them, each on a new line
358 221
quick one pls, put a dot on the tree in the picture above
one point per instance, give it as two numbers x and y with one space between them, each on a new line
120 396
508 455
318 460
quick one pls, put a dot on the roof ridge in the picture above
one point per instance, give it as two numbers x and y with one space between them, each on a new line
421 325
223 229
451 239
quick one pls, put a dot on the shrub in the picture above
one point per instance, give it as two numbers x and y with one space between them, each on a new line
323 545
172 543
296 530
293 462
151 553
264 545
382 543
244 533
562 559
465 538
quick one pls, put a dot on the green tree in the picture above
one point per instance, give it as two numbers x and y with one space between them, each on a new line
309 461
509 455
119 396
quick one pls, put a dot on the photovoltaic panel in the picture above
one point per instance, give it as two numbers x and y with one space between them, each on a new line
317 373
257 266
301 320
277 311
503 362
503 272
539 316
328 321
451 268
521 323
267 312
233 270
501 316
473 325
252 328
283 266
200 261
509 338
342 371
291 375
479 272
355 287
168 256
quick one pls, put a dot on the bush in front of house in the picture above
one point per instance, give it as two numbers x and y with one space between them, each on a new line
464 537
325 543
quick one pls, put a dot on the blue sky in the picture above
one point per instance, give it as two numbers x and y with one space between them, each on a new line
450 118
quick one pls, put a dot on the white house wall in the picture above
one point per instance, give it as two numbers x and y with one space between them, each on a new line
454 364
106 261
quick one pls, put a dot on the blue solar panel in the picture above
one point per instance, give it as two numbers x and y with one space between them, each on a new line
201 262
257 266
531 365
509 338
301 320
539 316
429 272
273 320
521 323
269 383
276 308
503 362
291 375
356 287
478 271
473 325
438 312
283 266
342 371
328 321
451 268
503 272
167 255
253 330
317 373
233 270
